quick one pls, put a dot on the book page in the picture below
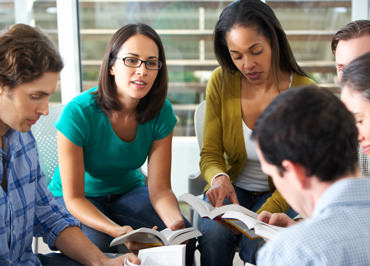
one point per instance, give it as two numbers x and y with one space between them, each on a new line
205 209
246 224
267 231
232 207
241 227
161 256
201 206
178 236
143 235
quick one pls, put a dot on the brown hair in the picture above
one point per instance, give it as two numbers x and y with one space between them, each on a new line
352 30
25 55
254 13
107 98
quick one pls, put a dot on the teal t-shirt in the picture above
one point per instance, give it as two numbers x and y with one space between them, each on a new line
111 164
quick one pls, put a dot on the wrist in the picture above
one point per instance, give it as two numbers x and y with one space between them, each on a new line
219 178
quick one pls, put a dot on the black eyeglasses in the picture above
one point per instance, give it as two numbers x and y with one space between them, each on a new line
136 63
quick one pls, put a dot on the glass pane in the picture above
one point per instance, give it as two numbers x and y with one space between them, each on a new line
186 29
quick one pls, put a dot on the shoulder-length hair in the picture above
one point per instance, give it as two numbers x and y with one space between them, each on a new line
254 13
107 96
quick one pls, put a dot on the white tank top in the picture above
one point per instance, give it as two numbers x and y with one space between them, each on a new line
251 177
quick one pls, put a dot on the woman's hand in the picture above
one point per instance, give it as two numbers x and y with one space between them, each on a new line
176 224
221 188
136 246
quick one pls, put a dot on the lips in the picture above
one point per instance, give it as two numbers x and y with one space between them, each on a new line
139 82
254 75
366 149
32 121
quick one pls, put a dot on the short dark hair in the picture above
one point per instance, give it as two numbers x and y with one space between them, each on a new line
107 97
254 13
312 127
352 30
356 75
25 55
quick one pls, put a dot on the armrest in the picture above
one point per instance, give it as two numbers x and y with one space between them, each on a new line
196 184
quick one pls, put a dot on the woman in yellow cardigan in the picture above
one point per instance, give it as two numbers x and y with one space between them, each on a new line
257 64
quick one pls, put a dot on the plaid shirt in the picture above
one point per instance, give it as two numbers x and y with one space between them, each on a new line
28 208
336 234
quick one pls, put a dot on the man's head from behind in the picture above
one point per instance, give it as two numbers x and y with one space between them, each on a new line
350 42
29 68
306 132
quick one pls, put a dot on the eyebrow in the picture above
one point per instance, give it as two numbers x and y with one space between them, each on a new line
249 48
41 92
150 57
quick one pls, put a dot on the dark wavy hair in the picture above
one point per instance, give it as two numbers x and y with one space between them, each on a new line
312 127
352 30
356 75
25 55
254 13
106 95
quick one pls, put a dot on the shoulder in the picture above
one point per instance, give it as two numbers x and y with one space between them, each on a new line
86 98
223 84
219 75
83 104
300 80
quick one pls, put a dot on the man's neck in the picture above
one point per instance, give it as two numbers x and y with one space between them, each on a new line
318 188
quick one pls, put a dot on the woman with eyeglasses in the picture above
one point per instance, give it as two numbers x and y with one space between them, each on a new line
105 135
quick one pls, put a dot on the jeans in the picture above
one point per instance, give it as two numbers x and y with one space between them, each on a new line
132 208
56 259
218 244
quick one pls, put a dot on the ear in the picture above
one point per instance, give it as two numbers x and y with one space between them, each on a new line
297 172
3 89
111 71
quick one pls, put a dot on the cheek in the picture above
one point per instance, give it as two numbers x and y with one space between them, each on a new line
365 130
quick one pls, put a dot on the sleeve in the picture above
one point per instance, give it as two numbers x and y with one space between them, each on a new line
50 217
275 203
73 123
165 122
212 159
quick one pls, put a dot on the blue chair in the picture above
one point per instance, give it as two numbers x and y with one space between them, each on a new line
46 138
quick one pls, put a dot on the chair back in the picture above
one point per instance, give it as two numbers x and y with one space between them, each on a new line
199 121
46 138
196 183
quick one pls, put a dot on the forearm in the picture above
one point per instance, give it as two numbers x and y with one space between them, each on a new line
165 204
74 244
88 214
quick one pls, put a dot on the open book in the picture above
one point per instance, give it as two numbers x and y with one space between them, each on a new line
161 256
153 237
250 226
205 209
238 216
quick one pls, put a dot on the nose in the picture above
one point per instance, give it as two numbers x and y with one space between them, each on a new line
360 136
44 108
141 70
248 63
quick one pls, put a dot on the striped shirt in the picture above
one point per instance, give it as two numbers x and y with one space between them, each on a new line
27 208
336 234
